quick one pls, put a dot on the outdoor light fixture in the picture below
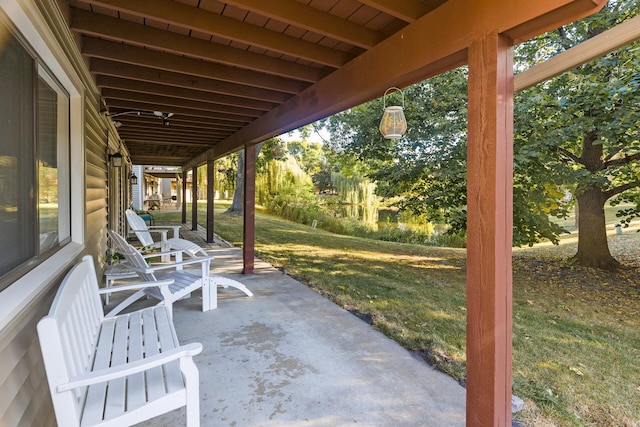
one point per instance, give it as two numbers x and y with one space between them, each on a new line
393 124
133 178
116 160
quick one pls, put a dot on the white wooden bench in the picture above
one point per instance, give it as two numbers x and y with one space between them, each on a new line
114 371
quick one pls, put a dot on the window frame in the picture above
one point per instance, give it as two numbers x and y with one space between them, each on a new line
27 23
32 253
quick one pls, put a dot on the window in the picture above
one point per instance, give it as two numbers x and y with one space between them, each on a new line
34 161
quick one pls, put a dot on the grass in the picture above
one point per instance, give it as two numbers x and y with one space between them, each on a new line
576 332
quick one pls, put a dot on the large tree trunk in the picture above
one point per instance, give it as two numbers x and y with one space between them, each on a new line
237 207
593 248
237 204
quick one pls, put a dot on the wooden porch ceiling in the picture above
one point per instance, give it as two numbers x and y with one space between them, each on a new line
237 72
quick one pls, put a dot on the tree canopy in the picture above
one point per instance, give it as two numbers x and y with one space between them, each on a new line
576 138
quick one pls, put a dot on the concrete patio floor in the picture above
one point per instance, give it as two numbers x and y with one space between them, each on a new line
289 357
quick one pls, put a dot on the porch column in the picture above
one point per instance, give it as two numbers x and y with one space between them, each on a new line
210 200
248 248
184 197
194 198
489 231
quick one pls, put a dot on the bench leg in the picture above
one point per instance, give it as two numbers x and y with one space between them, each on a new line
192 385
209 294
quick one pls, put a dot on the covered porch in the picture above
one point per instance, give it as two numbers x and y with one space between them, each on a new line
288 356
183 83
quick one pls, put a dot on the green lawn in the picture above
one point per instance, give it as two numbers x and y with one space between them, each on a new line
576 334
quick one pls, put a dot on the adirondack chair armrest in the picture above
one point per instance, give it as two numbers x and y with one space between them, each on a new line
137 285
156 254
163 232
151 229
175 228
119 371
198 260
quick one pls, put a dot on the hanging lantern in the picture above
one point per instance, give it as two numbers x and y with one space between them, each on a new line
393 124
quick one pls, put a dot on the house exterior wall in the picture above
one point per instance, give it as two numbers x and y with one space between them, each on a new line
23 385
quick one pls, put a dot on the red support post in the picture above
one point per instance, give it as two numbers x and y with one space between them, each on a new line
194 198
489 231
210 200
248 248
184 197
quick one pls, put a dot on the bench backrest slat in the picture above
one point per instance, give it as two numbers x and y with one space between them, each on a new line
68 337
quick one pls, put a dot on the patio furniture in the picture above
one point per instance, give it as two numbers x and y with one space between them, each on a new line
143 232
114 371
185 282
145 215
114 272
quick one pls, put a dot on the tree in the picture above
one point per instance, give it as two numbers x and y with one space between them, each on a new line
237 204
577 133
582 129
426 169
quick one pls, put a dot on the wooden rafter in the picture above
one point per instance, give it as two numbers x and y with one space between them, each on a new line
241 105
295 13
608 41
125 100
170 78
181 15
94 24
97 48
407 10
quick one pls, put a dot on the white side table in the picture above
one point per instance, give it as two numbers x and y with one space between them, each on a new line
115 272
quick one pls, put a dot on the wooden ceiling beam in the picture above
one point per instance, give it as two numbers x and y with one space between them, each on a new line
303 16
97 48
193 18
146 159
151 135
406 10
152 142
172 128
88 23
177 131
135 101
612 39
178 122
241 105
145 74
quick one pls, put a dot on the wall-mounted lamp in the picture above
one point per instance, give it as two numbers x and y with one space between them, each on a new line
134 179
393 124
116 160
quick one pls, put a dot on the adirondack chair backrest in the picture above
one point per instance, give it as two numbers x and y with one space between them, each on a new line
69 332
139 226
133 257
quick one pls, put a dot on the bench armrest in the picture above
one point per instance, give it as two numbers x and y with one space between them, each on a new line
119 371
137 285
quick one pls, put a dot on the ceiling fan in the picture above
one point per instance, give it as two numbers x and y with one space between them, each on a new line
161 115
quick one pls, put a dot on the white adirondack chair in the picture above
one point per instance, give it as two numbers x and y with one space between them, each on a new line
143 233
185 282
